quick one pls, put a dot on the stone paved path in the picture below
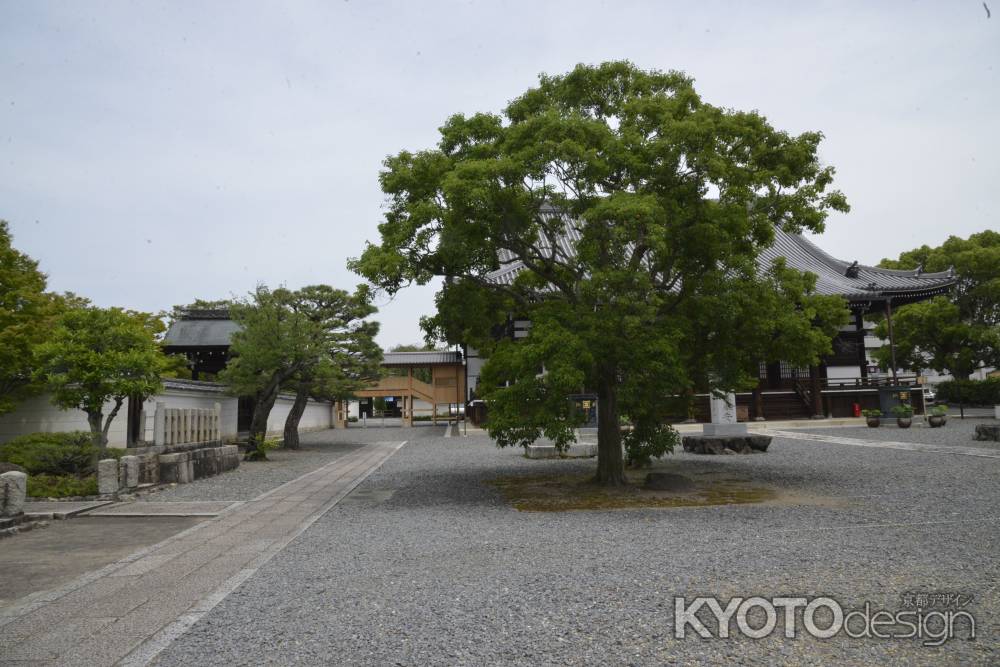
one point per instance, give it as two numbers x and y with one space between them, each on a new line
887 444
171 508
127 612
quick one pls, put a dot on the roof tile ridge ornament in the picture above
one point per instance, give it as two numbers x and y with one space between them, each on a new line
205 314
853 270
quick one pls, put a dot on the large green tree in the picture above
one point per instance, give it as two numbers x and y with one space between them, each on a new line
99 355
637 213
957 333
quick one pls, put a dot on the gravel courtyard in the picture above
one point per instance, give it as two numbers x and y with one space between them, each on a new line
425 563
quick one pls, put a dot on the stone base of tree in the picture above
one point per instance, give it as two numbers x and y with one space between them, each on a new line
726 444
575 451
988 432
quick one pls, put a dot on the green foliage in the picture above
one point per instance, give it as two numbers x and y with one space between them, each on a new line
939 410
314 341
871 412
960 332
641 448
970 392
932 334
671 200
61 486
52 453
27 313
95 355
903 410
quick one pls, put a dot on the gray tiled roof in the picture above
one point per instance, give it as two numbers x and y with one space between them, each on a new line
200 333
421 358
799 252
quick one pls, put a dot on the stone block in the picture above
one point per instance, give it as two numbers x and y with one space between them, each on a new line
575 450
128 472
724 429
13 489
107 477
733 444
174 468
988 432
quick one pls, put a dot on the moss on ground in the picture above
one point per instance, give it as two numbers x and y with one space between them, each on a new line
569 492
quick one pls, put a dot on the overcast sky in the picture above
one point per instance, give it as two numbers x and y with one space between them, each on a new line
154 153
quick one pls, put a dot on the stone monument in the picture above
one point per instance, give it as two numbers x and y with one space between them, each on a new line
723 411
724 435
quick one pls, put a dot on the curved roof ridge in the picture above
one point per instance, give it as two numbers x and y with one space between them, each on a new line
842 265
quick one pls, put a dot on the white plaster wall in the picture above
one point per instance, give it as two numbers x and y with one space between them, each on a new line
316 417
842 372
37 414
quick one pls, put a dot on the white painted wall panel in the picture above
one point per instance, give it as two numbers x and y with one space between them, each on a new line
37 414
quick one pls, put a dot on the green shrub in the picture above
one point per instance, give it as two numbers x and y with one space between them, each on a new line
61 486
52 453
902 410
872 412
970 392
644 443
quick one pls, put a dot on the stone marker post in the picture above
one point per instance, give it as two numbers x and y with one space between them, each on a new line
107 477
724 417
13 489
160 424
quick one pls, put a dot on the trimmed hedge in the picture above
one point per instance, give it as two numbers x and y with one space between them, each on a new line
52 453
970 392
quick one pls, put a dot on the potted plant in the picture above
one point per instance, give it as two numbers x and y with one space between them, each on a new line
938 416
872 417
904 415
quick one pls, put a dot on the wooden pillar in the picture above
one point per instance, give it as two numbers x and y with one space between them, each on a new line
758 402
407 410
892 338
859 327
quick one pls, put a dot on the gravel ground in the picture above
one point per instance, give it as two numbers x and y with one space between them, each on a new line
252 479
957 432
426 564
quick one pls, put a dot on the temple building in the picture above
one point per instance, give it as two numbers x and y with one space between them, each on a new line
845 381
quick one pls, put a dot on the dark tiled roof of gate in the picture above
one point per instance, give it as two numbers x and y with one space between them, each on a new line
200 333
800 253
421 358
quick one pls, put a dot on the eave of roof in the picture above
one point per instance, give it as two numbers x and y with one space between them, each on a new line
871 284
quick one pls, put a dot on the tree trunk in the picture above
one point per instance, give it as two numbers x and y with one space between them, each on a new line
111 418
610 462
258 424
294 415
97 435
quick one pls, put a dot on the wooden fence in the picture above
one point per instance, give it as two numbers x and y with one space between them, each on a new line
181 426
